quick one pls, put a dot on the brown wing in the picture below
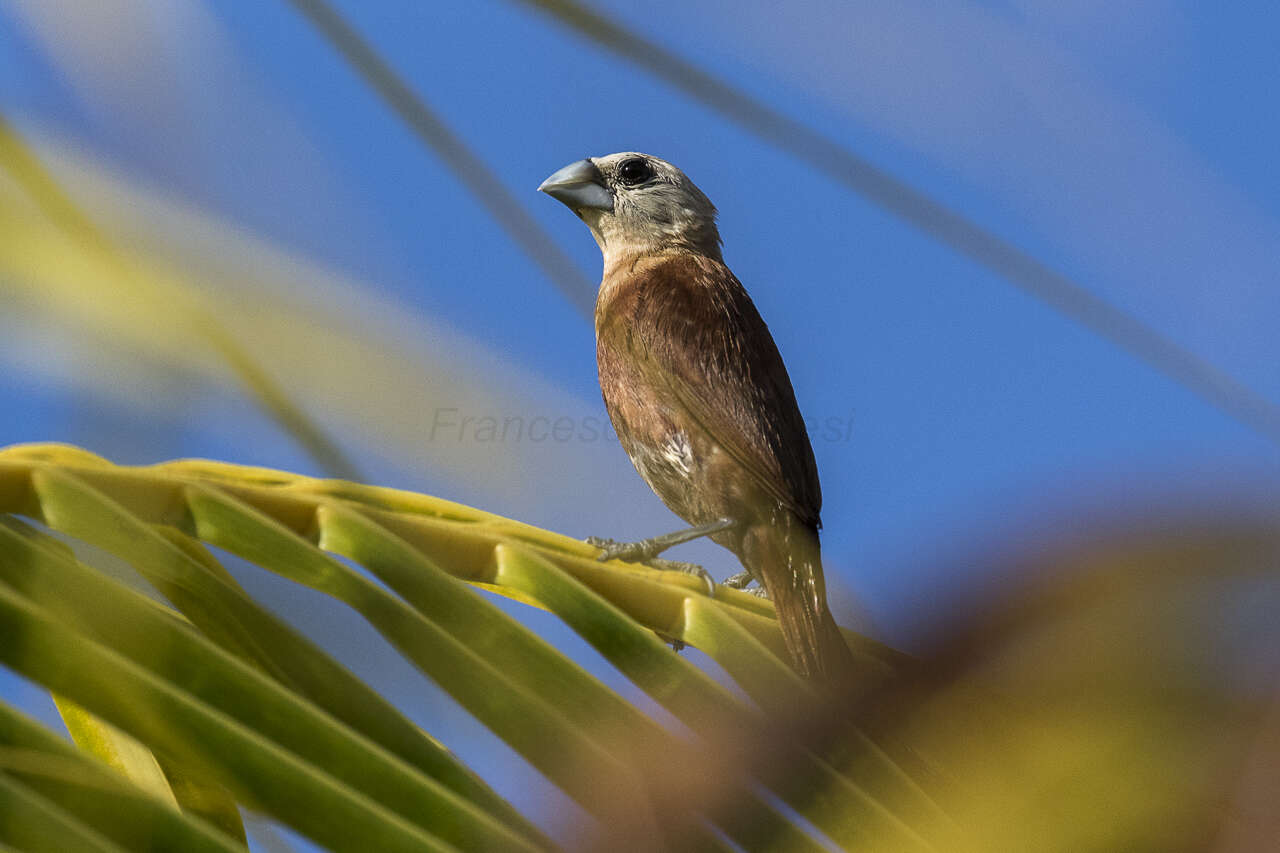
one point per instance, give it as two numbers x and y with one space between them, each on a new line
690 317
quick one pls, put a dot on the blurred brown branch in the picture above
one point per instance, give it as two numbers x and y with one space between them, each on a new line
1107 699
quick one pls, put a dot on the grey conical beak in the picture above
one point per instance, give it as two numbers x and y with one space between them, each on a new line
579 186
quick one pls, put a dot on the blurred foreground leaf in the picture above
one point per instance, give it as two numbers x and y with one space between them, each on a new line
184 300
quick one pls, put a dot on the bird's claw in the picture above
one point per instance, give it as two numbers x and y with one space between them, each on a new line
630 552
687 568
639 552
741 580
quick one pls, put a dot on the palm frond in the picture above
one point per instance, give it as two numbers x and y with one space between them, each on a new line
242 705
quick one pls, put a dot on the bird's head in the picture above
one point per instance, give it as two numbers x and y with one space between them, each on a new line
637 204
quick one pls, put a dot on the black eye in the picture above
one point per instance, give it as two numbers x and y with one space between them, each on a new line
634 171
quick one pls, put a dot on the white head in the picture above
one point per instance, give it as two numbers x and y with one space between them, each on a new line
637 204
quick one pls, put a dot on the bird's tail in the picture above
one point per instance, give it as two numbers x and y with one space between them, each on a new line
785 557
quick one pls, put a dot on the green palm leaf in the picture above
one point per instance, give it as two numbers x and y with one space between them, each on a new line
237 706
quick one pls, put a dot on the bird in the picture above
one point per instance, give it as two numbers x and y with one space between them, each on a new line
698 393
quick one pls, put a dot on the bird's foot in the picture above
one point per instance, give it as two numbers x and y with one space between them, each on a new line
629 552
741 580
646 552
647 549
687 568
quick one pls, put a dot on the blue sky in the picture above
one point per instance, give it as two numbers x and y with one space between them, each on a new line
1129 145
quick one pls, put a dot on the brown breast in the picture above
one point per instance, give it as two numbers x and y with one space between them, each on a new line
688 366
